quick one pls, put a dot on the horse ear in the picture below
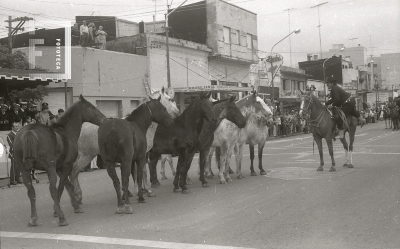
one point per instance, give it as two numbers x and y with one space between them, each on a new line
255 93
81 98
232 98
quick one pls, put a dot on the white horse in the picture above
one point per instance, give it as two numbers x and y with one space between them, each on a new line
228 134
88 147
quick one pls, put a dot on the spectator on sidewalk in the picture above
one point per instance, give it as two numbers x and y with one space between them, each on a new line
44 115
101 37
56 117
84 31
5 119
15 175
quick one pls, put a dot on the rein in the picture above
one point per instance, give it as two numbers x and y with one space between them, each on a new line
319 116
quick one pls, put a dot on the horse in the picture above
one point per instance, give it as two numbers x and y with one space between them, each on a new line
181 139
53 149
227 135
88 146
394 115
124 141
323 126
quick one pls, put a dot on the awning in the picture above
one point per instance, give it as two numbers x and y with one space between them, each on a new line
213 88
19 79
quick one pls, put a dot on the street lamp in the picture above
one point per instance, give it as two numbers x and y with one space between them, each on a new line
277 58
323 68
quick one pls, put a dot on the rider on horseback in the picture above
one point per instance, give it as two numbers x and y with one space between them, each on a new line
341 99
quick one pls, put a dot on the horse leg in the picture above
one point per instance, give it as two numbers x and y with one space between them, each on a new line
253 173
223 153
179 168
203 157
27 180
184 178
153 160
260 156
346 150
55 195
110 166
146 186
126 166
207 168
162 172
80 163
140 163
318 141
352 137
329 142
238 158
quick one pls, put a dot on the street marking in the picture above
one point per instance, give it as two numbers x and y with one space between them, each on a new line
112 241
298 173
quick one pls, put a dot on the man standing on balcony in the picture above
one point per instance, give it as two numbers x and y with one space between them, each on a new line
343 100
84 30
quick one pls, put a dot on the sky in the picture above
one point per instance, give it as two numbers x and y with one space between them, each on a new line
374 24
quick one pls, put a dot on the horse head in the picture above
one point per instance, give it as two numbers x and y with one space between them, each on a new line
254 104
89 112
232 113
159 113
206 107
167 101
306 100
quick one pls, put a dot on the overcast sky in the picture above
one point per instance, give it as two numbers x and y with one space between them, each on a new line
375 24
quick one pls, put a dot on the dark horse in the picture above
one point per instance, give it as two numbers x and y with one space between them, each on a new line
53 149
182 139
223 109
323 126
124 141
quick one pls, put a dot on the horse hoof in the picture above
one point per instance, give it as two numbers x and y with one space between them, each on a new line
78 210
141 200
128 209
346 165
263 173
320 169
185 191
164 178
222 182
228 180
151 194
120 210
62 223
32 223
253 174
177 190
332 169
205 185
350 166
209 177
155 185
240 176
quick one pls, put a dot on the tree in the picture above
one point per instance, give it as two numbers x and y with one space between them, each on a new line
29 94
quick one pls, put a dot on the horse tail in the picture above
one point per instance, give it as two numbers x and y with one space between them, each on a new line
111 145
29 145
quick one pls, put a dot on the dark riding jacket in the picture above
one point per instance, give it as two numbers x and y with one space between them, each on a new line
338 96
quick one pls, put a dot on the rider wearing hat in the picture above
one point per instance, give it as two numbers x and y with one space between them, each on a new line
342 99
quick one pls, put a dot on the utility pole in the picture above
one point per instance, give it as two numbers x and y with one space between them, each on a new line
319 26
290 42
166 41
12 31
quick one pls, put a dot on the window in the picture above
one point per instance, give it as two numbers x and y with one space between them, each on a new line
227 33
235 36
249 41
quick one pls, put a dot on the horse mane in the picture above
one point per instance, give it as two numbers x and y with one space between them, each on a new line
188 110
132 115
67 114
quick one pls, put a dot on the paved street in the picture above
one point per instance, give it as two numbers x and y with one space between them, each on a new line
293 206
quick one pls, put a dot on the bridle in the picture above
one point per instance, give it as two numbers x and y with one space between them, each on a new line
151 114
313 122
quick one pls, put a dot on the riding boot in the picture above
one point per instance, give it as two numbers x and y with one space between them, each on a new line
341 134
361 120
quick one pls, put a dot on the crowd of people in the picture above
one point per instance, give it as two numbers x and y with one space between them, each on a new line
15 116
287 123
92 37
